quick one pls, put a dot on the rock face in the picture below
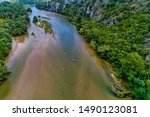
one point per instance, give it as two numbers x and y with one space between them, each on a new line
92 8
89 7
71 1
55 6
147 45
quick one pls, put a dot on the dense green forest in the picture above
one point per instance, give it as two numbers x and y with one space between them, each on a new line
27 1
31 1
119 37
13 22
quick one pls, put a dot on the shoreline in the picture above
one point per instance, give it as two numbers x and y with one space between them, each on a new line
116 87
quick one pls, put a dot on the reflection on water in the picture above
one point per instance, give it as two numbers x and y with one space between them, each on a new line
59 67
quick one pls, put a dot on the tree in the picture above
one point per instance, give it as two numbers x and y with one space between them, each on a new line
131 65
29 9
15 23
35 19
3 71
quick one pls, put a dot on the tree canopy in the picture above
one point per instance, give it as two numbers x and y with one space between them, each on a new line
14 21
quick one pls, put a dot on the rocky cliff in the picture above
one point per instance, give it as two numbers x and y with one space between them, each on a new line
89 7
95 8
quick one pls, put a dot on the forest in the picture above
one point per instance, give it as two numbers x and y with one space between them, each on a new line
119 37
13 22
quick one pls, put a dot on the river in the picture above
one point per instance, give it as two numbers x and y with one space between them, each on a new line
59 67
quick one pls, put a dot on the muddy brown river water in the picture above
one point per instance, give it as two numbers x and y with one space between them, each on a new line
59 67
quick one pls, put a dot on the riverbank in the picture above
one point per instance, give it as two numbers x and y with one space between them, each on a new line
10 26
117 86
117 36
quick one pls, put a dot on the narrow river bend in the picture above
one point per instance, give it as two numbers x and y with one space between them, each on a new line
59 67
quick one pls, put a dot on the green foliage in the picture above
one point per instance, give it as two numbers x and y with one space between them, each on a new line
122 46
5 45
35 19
3 71
15 20
16 27
45 5
131 66
28 1
41 5
12 11
29 9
